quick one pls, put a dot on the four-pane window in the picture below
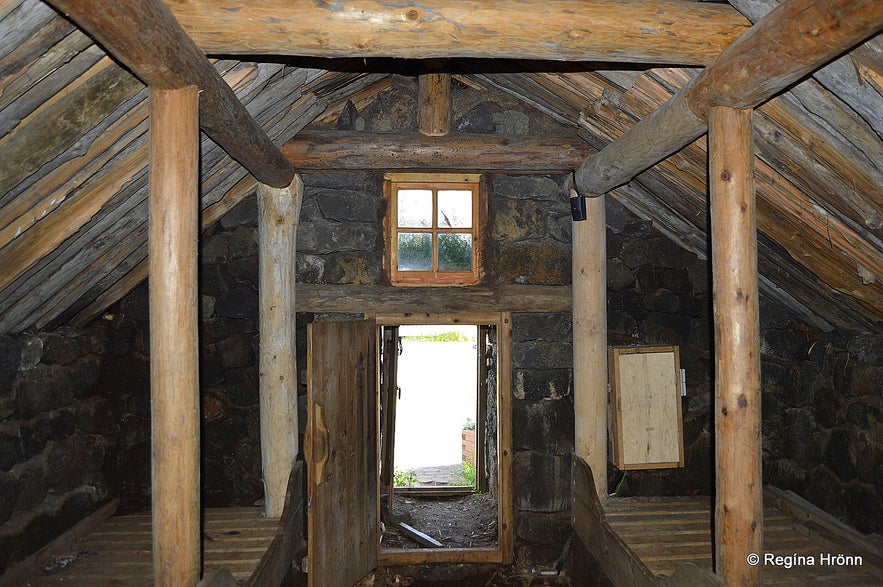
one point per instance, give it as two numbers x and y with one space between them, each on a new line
433 228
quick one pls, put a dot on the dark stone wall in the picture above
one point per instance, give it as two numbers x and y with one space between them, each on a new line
57 437
823 430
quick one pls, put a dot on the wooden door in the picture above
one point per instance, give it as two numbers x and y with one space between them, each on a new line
341 451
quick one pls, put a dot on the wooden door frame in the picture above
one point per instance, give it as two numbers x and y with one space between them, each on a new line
503 552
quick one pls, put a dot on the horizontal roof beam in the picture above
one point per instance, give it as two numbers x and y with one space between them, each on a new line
352 151
627 31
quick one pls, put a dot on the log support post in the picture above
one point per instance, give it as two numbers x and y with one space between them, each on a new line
174 349
738 504
278 215
434 104
590 341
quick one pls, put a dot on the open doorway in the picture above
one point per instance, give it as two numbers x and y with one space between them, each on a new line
440 457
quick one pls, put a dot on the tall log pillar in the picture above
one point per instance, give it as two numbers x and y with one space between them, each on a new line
738 510
278 216
174 351
590 341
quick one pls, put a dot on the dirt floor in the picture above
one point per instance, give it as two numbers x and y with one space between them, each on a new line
460 522
508 576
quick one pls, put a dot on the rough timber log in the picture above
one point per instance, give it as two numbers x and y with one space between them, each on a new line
738 518
590 341
655 31
174 348
843 76
434 104
146 38
278 217
793 40
344 150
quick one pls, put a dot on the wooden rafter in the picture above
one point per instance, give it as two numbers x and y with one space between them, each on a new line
652 31
792 41
146 38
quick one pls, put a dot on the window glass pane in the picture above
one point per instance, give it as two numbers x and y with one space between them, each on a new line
455 208
415 251
454 252
415 208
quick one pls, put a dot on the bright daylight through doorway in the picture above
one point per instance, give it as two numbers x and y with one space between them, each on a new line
439 450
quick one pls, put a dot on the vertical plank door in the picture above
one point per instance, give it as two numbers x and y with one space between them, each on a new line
341 451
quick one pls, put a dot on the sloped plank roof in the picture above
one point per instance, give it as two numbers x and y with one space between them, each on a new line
73 176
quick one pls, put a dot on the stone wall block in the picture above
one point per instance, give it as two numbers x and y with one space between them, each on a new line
324 237
543 528
67 462
239 302
533 263
516 220
347 205
541 482
42 389
827 405
243 243
213 279
10 359
478 120
11 450
800 427
838 457
663 300
542 384
555 327
8 497
544 426
36 433
619 276
235 351
541 354
245 213
353 268
636 252
310 268
785 474
527 187
862 506
83 375
363 180
621 323
665 328
33 484
215 248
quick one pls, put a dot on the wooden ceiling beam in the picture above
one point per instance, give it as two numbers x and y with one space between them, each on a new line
648 31
144 36
793 40
353 151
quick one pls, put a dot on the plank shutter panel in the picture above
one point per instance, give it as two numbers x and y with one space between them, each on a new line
341 447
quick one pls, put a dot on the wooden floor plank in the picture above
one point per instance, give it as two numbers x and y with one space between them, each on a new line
119 552
668 532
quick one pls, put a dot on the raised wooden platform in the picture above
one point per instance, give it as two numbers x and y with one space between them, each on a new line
119 551
668 540
240 547
668 532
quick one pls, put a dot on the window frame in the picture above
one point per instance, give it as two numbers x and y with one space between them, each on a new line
434 182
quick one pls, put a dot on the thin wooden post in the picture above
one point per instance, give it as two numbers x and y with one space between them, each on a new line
278 216
590 341
434 104
174 349
738 517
